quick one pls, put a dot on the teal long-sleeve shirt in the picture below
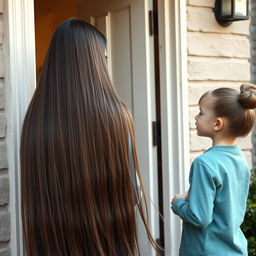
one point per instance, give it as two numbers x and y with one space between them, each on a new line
215 207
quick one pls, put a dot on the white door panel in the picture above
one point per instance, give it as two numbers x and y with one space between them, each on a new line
116 26
121 47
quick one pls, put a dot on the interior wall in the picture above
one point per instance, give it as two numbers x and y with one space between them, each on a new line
48 14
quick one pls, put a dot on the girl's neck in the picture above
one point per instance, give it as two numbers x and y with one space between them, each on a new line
224 141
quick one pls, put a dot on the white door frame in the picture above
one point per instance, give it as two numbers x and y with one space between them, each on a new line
20 84
174 111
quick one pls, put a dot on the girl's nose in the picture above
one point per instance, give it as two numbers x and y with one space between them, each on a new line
196 117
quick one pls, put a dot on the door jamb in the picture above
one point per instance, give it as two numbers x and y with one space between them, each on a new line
20 82
174 111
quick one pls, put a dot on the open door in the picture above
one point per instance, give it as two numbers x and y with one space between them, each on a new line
131 63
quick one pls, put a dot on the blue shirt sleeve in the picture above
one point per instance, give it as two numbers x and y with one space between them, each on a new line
197 208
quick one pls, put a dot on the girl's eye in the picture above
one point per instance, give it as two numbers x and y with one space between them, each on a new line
200 113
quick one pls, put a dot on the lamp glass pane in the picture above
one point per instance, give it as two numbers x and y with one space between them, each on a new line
241 7
226 8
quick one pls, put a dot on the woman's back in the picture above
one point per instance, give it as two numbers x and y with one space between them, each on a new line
77 190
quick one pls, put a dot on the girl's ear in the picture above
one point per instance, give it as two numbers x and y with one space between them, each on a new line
219 124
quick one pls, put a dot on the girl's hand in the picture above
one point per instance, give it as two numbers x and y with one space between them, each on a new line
184 196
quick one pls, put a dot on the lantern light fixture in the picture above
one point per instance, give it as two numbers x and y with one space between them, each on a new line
227 11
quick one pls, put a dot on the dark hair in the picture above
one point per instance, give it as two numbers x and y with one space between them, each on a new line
237 107
76 182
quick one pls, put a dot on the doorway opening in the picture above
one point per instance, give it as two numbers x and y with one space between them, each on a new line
123 24
48 14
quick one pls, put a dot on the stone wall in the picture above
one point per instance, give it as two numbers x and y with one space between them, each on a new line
253 66
217 57
4 177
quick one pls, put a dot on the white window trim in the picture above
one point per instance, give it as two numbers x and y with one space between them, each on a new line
174 112
20 84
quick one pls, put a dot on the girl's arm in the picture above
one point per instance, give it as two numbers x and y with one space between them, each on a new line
184 196
197 209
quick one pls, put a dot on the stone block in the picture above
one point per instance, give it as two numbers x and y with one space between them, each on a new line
252 15
254 76
253 64
4 226
193 111
224 45
253 24
4 190
1 6
5 252
2 94
253 73
248 157
198 143
203 19
3 155
197 89
253 7
3 123
253 55
246 142
2 63
253 18
203 3
194 155
218 69
253 37
1 30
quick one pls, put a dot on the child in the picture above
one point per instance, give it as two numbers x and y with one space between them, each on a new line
213 208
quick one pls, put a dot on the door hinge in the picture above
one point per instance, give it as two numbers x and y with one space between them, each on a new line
156 130
153 22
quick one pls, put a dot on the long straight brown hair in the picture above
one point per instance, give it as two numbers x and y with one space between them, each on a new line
78 195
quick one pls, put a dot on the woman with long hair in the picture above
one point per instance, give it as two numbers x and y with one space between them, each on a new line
77 173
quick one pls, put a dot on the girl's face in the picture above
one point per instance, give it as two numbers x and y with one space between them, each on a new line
205 119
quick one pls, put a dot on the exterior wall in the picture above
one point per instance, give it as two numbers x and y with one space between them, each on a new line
217 57
4 177
253 66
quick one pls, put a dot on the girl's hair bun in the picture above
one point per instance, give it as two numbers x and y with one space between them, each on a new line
247 97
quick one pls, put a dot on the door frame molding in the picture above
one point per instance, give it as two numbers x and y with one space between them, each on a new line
174 111
20 83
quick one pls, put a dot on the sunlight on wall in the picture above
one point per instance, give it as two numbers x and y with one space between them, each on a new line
48 14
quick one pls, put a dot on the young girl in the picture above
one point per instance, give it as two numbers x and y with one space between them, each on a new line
213 208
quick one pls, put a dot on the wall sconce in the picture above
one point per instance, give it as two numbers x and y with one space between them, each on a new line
227 11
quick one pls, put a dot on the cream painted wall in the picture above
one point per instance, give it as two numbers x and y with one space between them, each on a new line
48 14
253 66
